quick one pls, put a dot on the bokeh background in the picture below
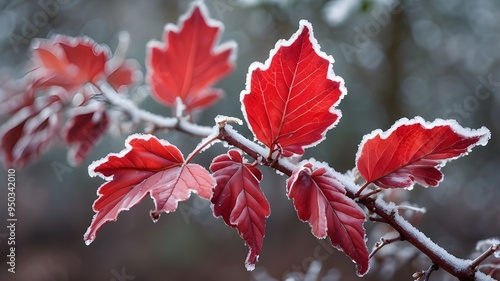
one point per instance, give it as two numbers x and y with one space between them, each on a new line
435 59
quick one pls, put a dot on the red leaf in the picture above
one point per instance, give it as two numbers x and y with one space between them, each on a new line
414 151
320 199
189 62
126 74
85 128
240 201
30 131
147 165
68 62
289 101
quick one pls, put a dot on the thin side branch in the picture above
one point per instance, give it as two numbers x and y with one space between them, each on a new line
425 274
385 241
491 250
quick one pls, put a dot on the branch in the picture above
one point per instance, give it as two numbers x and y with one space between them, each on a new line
464 270
160 122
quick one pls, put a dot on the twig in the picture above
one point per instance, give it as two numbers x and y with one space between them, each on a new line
425 274
385 241
362 188
493 268
477 261
412 208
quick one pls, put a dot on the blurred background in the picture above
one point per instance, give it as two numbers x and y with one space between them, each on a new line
435 59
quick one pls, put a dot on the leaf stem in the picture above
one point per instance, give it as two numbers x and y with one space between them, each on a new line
364 196
201 146
361 189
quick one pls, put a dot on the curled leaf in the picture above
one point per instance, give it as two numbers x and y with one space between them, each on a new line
414 151
147 166
240 201
320 200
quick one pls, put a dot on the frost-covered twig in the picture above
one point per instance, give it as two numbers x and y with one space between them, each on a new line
489 252
384 241
160 122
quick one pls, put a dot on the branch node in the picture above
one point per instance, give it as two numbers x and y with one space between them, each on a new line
425 274
384 241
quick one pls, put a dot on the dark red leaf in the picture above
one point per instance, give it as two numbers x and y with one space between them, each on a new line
84 129
240 201
30 131
414 151
289 101
320 199
147 165
189 62
68 62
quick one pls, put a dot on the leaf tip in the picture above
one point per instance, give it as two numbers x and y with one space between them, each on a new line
252 258
88 237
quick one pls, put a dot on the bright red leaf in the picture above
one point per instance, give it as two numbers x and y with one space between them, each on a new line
240 201
190 61
30 131
68 62
84 129
414 151
320 199
289 101
147 165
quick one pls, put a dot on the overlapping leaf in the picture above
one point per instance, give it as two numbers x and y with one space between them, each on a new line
239 200
146 166
71 62
59 76
85 128
68 62
414 151
289 101
320 199
30 131
190 61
